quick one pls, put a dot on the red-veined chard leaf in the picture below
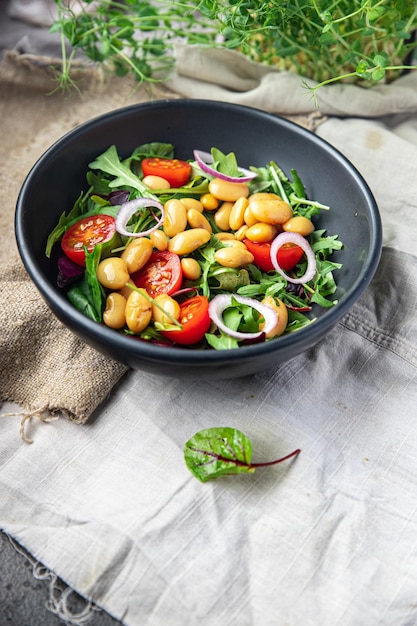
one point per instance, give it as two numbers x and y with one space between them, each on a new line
216 452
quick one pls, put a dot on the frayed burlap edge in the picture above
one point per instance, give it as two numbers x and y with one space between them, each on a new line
46 369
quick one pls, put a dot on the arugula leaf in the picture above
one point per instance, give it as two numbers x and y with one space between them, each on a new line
195 187
62 225
221 341
297 184
241 317
78 295
220 451
88 296
98 183
92 259
231 279
325 245
152 149
206 261
280 181
110 163
236 316
297 320
263 284
319 299
225 163
306 208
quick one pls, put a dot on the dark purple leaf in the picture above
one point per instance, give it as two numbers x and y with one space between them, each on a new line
68 272
118 197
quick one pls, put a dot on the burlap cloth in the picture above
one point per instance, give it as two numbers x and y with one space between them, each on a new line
41 362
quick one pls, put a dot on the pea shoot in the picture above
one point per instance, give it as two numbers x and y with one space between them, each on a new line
360 41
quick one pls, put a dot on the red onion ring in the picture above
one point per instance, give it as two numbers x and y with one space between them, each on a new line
129 208
224 300
298 240
203 159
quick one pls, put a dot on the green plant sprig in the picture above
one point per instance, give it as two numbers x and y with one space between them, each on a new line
327 43
358 41
135 37
365 71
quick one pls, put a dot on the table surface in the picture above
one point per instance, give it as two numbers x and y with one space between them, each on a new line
24 598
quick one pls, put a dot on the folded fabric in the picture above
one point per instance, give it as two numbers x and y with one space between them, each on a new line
228 76
113 509
45 367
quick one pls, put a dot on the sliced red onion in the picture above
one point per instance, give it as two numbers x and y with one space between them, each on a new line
187 290
223 300
204 159
298 240
129 208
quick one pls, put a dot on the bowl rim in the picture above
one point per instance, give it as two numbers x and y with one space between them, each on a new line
139 348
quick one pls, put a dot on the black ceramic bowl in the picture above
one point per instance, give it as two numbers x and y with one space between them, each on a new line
256 137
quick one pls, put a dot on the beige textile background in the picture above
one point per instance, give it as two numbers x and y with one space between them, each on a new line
40 360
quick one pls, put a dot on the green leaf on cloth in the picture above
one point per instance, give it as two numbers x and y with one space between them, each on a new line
216 452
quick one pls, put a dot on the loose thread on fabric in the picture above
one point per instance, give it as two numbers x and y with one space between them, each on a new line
58 601
40 414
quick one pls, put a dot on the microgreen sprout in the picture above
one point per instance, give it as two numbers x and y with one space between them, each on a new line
356 41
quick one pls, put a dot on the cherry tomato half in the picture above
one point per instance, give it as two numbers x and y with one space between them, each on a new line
161 274
175 171
87 232
195 321
288 255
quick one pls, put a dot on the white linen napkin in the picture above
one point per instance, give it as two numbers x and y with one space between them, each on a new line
111 507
